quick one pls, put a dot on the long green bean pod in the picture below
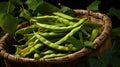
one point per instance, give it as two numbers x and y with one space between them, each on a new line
47 34
56 28
28 29
33 49
52 20
48 52
50 44
71 33
65 21
53 55
63 15
45 17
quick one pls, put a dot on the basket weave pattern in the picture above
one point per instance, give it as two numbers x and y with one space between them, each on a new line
13 61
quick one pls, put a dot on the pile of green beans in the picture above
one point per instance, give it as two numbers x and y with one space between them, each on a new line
49 36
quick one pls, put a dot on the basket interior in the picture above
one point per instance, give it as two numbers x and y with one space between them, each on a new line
93 17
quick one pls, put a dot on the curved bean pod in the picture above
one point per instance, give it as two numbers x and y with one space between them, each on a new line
65 21
63 15
56 28
71 33
27 29
33 49
48 52
50 44
94 34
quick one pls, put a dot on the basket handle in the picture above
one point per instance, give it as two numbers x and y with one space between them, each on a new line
2 42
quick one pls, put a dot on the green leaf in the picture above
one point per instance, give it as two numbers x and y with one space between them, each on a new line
25 14
76 43
114 11
96 62
33 4
46 8
89 44
6 7
93 62
16 2
107 56
8 23
115 61
67 10
94 5
115 32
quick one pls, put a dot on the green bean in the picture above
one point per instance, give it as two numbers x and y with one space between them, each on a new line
50 44
65 21
63 15
32 39
94 34
53 55
85 32
51 34
30 43
47 34
71 33
35 42
55 28
33 49
48 52
17 51
51 20
25 50
36 56
45 17
28 29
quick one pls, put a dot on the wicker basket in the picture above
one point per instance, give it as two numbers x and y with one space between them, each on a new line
101 42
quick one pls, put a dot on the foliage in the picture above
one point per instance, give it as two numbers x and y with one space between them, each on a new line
94 5
13 10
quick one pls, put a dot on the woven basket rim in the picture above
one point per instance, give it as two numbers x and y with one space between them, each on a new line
70 57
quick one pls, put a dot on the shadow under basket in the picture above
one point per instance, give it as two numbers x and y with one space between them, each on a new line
102 42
